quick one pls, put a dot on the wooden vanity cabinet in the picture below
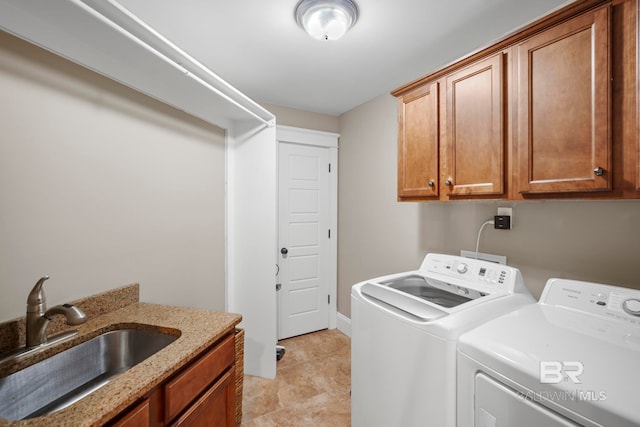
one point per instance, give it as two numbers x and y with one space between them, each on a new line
564 102
218 398
203 394
215 408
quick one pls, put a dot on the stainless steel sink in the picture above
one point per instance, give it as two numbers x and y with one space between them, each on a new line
63 379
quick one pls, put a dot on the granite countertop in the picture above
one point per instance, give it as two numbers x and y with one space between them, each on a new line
198 329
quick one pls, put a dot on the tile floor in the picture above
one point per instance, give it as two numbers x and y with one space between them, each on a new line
311 387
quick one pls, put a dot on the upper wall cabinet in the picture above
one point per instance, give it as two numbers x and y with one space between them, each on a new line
564 132
474 139
418 144
452 145
550 111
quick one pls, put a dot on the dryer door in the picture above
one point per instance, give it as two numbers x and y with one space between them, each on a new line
497 405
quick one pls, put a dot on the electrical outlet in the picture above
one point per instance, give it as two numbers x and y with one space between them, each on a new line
505 211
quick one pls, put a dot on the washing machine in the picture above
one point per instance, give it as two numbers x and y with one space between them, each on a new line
404 330
573 359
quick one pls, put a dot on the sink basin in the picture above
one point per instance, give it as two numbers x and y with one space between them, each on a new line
63 379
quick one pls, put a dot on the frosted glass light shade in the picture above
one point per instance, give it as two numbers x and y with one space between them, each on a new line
326 19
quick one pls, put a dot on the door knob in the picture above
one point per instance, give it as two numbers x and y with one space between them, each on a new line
284 251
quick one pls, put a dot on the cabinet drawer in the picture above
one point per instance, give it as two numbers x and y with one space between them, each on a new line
138 416
185 387
215 408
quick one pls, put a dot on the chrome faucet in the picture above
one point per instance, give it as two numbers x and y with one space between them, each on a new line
38 316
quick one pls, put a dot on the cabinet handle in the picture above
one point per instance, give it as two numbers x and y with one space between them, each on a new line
431 184
598 171
448 182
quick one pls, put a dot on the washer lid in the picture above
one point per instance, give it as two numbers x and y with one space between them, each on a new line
570 361
405 302
439 293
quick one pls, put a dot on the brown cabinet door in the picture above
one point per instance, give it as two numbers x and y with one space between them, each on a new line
138 416
418 142
215 408
564 142
474 140
184 387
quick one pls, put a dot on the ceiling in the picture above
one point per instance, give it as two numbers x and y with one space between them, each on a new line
256 45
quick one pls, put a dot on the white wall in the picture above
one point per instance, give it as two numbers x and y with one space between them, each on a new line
304 119
587 240
377 235
252 240
101 186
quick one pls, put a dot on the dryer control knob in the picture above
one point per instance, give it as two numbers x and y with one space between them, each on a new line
632 306
462 268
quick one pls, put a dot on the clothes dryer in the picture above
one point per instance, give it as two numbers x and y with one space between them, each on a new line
573 359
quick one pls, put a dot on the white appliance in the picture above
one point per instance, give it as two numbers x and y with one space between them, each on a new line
572 359
404 330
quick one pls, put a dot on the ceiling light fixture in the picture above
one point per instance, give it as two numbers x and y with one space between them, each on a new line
326 19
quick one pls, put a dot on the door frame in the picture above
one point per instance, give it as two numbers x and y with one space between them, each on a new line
330 141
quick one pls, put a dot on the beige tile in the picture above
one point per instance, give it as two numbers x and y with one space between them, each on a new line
311 388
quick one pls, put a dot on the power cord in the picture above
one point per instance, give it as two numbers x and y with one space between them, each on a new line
480 232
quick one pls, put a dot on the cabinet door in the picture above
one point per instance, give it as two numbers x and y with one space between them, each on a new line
418 142
138 416
184 387
564 142
215 408
474 139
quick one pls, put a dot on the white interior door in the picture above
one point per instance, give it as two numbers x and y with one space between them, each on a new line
304 236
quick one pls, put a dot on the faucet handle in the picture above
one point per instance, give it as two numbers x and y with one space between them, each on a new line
36 296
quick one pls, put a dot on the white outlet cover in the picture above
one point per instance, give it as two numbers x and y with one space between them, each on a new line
507 212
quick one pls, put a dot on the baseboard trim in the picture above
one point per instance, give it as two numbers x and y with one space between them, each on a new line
343 323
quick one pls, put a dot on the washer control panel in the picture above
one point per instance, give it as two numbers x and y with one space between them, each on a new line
472 271
609 301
